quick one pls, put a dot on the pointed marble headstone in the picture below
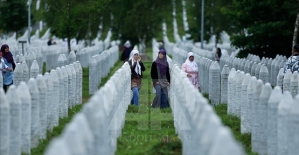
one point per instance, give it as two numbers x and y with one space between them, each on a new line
1 79
245 105
58 146
15 121
18 74
93 79
66 91
273 102
42 88
60 61
4 123
294 84
287 81
70 86
231 77
214 83
81 80
25 98
293 127
238 94
55 96
224 84
34 69
61 92
25 71
257 89
264 74
279 78
262 120
50 107
257 71
35 115
72 57
282 122
253 68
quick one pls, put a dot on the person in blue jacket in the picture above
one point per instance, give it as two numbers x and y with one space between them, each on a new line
9 61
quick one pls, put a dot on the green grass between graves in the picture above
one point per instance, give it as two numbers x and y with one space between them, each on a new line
64 121
147 130
234 123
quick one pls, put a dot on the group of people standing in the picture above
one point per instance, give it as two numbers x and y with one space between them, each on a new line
160 76
7 65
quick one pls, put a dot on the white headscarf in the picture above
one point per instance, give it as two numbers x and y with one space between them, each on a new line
127 44
192 64
138 67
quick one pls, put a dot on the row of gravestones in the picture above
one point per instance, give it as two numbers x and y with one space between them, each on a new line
29 110
96 128
270 116
29 57
99 67
251 65
197 125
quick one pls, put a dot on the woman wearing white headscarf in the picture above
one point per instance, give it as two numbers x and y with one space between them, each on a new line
191 69
137 68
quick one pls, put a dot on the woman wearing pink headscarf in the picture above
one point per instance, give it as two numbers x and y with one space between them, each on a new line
191 69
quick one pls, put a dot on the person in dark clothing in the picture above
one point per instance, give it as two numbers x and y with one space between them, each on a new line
50 42
293 61
161 80
126 51
137 68
218 54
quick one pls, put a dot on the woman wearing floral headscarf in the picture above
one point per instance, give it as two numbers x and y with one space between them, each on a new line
161 79
9 61
191 69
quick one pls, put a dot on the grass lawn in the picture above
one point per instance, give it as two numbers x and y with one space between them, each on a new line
64 121
148 130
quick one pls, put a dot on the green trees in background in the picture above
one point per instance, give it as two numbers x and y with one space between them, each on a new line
13 15
74 18
263 27
140 20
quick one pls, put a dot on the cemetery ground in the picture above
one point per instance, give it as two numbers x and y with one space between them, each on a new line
148 130
64 121
234 123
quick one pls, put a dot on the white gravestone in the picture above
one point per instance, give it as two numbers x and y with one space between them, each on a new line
42 88
1 80
35 115
25 98
293 127
273 102
15 121
245 105
282 122
214 83
81 80
72 57
231 77
74 83
239 94
70 87
55 95
66 91
254 112
50 107
224 84
263 119
257 71
4 123
58 146
18 74
34 70
77 89
233 95
25 71
279 78
61 92
264 74
294 84
93 79
287 80
250 88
